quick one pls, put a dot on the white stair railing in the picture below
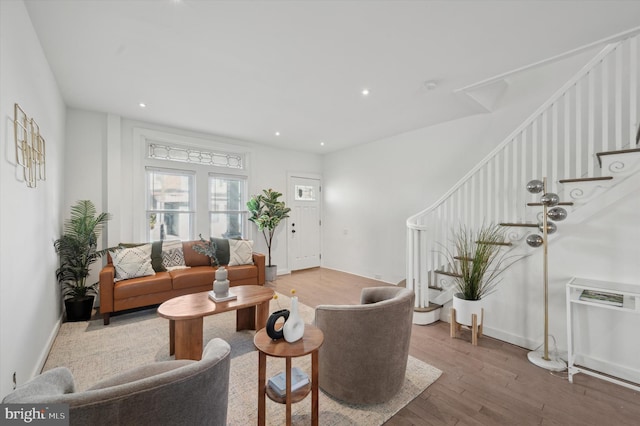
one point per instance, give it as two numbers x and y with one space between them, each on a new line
595 111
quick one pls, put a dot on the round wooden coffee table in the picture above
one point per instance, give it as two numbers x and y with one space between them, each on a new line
186 313
309 344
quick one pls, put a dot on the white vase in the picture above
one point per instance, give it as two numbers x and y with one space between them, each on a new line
293 328
465 310
221 283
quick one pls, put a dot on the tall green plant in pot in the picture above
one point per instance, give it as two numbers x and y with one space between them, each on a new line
478 261
78 250
267 213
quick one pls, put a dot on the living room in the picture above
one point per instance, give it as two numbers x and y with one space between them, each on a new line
90 156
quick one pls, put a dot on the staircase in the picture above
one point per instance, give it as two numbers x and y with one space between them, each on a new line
584 140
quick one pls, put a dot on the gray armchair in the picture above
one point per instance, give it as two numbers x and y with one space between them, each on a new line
179 392
364 355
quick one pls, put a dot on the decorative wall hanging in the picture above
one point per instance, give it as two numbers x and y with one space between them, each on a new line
551 211
30 147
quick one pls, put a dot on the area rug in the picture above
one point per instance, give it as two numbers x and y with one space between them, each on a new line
94 352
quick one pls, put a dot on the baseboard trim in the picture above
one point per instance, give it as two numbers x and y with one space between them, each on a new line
47 348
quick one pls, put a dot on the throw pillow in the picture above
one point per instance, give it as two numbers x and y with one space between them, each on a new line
132 262
156 254
173 258
240 252
172 254
222 250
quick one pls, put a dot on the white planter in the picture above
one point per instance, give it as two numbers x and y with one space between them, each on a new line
465 310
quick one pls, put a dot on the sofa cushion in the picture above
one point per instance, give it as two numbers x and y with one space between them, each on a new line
241 252
142 286
132 262
205 275
193 277
242 273
172 255
192 257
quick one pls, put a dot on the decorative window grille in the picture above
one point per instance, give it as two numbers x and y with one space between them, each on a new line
195 156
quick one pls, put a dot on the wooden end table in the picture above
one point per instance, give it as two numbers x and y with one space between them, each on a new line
309 344
186 313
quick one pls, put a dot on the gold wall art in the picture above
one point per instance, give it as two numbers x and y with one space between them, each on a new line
30 147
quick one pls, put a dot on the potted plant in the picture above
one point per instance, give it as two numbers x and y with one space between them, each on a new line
477 264
267 213
77 248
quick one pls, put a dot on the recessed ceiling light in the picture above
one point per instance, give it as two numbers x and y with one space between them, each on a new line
277 133
430 84
321 143
142 105
365 92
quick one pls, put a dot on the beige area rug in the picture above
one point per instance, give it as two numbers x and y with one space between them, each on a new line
94 352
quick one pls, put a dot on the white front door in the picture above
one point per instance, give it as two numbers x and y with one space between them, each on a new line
304 223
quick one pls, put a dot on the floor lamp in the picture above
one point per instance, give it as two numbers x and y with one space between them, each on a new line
549 203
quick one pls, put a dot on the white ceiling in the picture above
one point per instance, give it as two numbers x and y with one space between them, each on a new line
246 69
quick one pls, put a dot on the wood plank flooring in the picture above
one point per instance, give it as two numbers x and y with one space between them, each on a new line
489 384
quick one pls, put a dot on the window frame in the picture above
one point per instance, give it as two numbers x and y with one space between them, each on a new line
243 212
142 137
192 211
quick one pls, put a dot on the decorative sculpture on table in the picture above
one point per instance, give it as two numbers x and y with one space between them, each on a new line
221 283
551 211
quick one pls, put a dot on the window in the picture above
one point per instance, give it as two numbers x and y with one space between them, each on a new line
186 187
170 207
227 206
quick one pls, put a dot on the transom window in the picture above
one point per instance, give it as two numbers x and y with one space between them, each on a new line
195 155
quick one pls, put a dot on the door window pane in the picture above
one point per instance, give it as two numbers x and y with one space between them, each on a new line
304 193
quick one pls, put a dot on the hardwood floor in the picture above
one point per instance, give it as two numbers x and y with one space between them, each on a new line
489 384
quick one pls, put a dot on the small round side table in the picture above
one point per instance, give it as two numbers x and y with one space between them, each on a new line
309 344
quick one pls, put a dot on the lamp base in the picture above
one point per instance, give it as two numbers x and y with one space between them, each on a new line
553 364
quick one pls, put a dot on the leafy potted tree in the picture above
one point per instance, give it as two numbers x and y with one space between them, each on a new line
477 264
77 248
267 213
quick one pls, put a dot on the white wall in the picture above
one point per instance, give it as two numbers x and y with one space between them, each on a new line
30 219
371 190
96 135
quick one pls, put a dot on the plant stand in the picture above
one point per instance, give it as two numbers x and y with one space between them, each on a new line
476 330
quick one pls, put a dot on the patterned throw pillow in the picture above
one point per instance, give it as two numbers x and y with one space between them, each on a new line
240 252
172 255
132 262
172 258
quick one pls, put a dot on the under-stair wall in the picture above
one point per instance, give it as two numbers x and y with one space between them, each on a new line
595 112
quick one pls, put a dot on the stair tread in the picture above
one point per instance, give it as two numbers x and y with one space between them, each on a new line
585 179
524 224
451 274
431 307
504 243
621 151
562 203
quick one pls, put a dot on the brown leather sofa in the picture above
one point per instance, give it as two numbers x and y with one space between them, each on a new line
155 289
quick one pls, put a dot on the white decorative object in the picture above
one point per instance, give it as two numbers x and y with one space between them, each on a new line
221 283
465 310
293 328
